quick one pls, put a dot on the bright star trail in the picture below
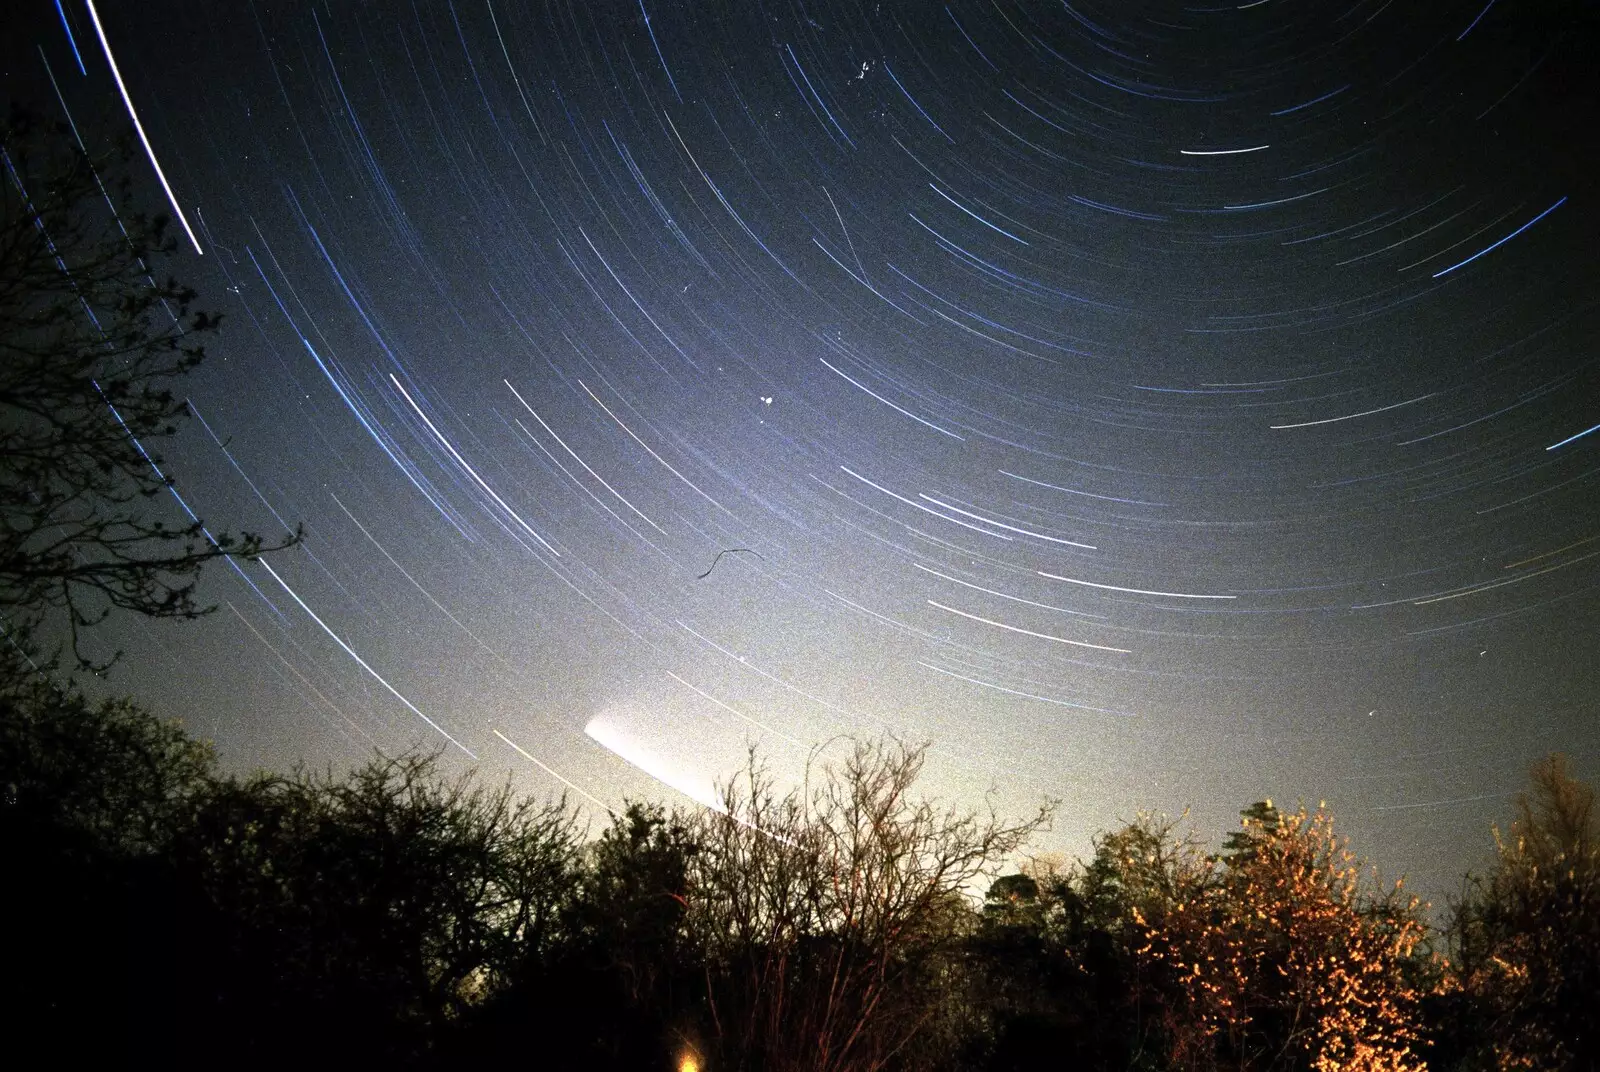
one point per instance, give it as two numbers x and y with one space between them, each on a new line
1153 406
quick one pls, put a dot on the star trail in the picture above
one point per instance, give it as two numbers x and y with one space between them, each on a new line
1154 406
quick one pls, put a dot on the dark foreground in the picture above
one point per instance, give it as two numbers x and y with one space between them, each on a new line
157 910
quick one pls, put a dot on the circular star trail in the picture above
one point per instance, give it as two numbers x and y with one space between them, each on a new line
1151 405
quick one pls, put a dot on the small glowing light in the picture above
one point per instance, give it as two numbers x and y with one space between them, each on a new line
688 1063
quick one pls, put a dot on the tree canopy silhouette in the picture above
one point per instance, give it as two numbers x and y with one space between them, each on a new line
1526 936
91 341
397 915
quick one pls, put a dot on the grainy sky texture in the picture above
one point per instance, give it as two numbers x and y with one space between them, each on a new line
1152 405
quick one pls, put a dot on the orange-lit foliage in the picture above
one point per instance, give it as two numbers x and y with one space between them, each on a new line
1278 958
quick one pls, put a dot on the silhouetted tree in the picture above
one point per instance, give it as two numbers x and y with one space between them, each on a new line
365 915
1064 977
90 797
620 985
833 915
1524 992
634 904
395 915
109 774
90 343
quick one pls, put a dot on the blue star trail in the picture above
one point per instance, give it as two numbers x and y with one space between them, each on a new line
1152 406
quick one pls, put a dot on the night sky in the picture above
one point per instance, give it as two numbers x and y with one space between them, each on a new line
1154 406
